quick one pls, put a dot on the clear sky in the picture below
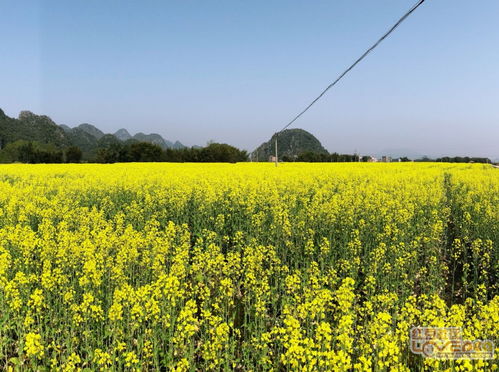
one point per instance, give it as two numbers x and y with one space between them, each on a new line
236 71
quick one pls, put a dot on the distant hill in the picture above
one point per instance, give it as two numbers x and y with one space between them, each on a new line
177 145
153 138
90 129
158 140
31 127
40 128
108 140
123 135
84 140
291 143
65 127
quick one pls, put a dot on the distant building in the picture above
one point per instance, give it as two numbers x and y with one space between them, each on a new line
386 159
272 159
372 159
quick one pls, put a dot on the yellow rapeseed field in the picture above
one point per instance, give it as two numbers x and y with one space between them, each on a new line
244 267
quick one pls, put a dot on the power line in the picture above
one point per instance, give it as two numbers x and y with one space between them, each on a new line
404 17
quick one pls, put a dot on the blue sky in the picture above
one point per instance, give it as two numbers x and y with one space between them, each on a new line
236 71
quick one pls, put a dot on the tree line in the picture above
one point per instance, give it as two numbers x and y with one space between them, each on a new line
148 152
33 152
315 157
456 159
311 157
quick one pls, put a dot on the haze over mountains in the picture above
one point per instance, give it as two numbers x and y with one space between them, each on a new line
90 139
42 129
123 135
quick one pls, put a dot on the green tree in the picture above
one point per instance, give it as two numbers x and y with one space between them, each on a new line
73 154
144 152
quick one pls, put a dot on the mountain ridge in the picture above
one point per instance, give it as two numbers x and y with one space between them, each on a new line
31 127
41 128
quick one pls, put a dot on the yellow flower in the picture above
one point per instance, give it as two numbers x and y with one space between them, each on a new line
33 345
